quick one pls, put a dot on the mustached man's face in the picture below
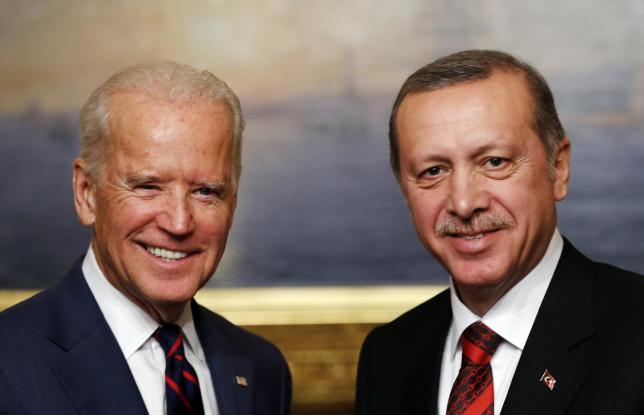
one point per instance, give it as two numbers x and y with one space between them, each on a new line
162 210
476 179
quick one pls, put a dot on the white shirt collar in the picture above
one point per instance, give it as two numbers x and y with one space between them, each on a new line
131 325
513 315
187 324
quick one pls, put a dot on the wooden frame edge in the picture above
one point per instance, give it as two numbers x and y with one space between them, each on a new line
298 305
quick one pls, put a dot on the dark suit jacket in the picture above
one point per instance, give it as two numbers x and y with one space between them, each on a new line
589 334
59 356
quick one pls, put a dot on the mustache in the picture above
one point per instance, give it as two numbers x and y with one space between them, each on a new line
477 224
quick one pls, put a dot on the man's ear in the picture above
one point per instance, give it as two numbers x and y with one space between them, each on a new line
84 192
561 169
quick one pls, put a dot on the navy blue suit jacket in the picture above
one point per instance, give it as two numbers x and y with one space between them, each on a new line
589 334
59 356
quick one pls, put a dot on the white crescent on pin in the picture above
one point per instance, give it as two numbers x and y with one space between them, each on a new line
548 380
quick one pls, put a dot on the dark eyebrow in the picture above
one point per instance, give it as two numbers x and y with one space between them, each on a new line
477 151
140 180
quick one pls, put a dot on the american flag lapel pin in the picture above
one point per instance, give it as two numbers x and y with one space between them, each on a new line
548 380
241 381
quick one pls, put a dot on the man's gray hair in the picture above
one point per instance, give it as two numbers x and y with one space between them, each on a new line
475 65
167 80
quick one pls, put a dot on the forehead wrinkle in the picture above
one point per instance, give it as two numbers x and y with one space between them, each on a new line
448 149
471 124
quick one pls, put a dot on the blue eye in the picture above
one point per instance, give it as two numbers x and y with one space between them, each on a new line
146 188
216 191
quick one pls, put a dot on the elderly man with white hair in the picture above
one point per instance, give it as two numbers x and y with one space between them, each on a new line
156 180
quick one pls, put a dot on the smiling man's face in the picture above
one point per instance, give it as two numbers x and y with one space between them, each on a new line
163 206
476 179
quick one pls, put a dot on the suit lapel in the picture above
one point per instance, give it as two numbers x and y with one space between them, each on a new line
93 371
232 374
560 341
421 388
97 379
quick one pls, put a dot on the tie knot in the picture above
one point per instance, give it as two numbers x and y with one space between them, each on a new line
171 340
479 342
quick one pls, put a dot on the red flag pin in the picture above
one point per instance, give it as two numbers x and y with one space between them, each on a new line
548 380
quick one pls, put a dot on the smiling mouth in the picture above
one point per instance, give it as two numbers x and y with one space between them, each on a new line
472 236
166 254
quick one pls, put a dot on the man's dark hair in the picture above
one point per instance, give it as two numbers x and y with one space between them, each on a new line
475 65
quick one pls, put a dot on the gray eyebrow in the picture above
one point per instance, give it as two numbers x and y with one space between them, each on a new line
141 179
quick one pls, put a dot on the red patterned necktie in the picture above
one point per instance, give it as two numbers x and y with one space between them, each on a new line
182 393
473 390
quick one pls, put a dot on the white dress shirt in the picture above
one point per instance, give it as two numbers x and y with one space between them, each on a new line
133 329
511 317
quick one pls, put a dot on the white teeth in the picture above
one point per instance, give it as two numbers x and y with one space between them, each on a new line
472 237
166 253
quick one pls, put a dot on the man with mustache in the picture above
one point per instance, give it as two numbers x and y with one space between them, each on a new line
156 179
529 324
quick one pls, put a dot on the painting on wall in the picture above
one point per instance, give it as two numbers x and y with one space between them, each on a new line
318 204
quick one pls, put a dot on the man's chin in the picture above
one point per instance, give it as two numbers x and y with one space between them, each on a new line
477 275
166 301
172 299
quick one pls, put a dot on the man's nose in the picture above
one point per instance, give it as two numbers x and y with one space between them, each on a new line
177 216
467 195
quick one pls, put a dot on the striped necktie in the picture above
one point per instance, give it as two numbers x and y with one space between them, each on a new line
182 393
473 389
